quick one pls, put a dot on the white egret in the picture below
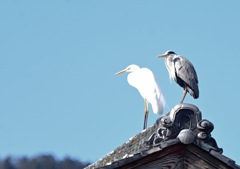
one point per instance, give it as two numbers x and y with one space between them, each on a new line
182 72
145 82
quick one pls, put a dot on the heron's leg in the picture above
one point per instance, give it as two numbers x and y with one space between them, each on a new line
146 113
184 94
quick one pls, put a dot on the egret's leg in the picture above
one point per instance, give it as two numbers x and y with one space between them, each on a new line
146 113
184 94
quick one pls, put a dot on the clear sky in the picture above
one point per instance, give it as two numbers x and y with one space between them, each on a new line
58 59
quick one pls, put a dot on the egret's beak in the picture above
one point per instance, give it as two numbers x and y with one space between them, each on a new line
162 56
122 71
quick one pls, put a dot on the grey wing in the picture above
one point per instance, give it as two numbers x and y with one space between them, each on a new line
186 72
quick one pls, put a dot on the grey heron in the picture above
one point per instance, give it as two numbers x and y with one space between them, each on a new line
182 72
145 82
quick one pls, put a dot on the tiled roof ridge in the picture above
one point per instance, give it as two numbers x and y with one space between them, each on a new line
182 125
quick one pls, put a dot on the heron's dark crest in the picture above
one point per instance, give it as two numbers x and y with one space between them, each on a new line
169 52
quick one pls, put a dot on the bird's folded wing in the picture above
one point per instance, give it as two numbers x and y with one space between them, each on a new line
185 71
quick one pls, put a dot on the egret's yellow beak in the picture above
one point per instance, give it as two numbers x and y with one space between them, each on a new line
162 56
122 71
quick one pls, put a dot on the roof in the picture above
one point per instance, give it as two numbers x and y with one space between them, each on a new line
182 127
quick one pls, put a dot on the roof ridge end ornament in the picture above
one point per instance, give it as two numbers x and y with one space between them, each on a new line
184 122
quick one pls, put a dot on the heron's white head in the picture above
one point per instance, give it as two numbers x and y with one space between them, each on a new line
130 68
166 54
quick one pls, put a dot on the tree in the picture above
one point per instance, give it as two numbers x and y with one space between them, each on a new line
41 162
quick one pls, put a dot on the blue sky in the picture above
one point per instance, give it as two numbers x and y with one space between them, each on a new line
58 59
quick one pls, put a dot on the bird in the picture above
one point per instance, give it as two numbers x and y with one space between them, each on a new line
182 71
145 82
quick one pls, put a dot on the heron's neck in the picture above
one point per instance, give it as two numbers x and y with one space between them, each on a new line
170 66
168 63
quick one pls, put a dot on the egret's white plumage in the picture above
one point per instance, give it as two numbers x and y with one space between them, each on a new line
145 82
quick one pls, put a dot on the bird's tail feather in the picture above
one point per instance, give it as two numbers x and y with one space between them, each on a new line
195 93
158 105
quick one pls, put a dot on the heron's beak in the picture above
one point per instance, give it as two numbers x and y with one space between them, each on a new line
162 56
122 71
